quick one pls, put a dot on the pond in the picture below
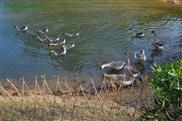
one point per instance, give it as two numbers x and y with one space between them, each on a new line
105 35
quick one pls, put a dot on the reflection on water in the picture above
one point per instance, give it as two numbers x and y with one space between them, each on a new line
105 34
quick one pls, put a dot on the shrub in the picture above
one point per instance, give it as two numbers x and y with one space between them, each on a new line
166 81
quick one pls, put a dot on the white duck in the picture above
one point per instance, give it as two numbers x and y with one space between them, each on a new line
140 56
41 39
44 30
57 43
22 28
68 46
63 51
72 34
138 34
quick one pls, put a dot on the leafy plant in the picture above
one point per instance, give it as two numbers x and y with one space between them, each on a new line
166 81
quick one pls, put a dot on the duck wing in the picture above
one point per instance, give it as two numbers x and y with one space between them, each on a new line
117 64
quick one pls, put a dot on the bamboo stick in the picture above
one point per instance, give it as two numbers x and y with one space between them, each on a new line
95 89
85 96
3 90
14 87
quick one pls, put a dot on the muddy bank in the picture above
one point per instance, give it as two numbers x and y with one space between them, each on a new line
174 1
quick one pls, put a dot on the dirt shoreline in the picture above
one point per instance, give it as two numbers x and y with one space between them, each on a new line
174 1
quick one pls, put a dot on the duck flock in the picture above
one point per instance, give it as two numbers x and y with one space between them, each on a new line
125 73
42 36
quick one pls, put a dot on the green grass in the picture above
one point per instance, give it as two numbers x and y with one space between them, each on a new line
166 81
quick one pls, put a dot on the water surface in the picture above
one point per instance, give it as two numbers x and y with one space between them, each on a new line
105 35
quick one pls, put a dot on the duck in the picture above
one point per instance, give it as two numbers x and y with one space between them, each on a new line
44 30
158 46
63 51
154 33
128 70
41 39
71 35
57 43
138 34
68 46
22 28
53 40
120 78
140 56
116 65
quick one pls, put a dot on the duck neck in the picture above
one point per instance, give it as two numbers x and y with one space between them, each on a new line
129 63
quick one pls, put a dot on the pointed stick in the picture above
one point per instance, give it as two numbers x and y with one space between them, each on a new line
14 87
95 89
27 87
114 88
37 86
23 88
47 86
58 85
105 86
66 86
85 96
3 90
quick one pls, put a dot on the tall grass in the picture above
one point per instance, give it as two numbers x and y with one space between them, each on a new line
92 103
166 81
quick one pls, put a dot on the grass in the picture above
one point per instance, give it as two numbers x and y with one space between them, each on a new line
65 103
98 103
166 81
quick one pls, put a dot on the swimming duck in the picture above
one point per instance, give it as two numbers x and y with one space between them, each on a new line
140 56
117 65
53 40
44 30
138 34
63 51
155 43
68 46
41 39
71 35
154 33
23 28
158 46
120 78
57 43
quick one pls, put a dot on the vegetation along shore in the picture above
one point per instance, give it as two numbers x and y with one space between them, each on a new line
157 96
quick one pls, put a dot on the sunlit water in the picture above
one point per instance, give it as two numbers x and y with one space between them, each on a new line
105 35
